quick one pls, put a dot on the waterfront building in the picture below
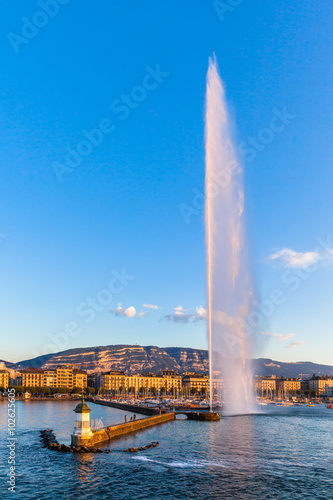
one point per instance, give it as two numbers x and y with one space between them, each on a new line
80 379
304 385
50 378
32 377
265 386
195 382
93 380
15 377
287 386
4 379
322 385
172 381
119 382
145 384
65 377
114 380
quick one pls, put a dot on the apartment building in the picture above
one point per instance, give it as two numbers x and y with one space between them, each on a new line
118 381
32 377
265 386
322 385
172 380
80 379
4 379
194 382
65 377
288 385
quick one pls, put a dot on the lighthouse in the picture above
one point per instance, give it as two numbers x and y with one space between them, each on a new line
82 431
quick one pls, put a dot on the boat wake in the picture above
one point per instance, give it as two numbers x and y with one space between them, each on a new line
194 464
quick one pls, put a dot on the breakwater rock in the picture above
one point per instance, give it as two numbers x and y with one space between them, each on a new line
50 441
151 445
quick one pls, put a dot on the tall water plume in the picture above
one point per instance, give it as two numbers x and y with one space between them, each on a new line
229 293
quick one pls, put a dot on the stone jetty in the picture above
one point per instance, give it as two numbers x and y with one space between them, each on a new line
113 431
50 441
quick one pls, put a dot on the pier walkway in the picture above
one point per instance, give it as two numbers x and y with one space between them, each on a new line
113 431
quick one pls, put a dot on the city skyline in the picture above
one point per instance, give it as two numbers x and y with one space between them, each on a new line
102 227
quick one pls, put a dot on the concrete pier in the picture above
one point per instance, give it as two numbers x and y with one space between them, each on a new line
127 407
108 433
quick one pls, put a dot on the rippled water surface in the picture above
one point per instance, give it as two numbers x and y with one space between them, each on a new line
283 454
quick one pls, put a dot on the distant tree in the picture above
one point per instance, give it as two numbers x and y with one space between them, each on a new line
162 390
28 389
60 390
194 390
313 394
152 391
76 390
299 392
2 389
44 390
101 390
18 388
90 390
142 390
306 392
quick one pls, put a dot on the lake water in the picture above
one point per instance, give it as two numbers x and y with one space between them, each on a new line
285 453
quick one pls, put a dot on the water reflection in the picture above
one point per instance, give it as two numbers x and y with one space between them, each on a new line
277 455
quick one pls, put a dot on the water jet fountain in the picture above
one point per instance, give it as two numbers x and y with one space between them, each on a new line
229 293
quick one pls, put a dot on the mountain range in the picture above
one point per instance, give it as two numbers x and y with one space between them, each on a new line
136 359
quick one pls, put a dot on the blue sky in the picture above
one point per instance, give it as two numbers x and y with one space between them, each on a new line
69 224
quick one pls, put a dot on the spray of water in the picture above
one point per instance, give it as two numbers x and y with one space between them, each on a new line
229 292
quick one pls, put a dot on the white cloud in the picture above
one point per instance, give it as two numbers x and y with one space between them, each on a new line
279 336
201 312
129 312
181 315
290 258
180 311
142 314
150 306
118 311
293 345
